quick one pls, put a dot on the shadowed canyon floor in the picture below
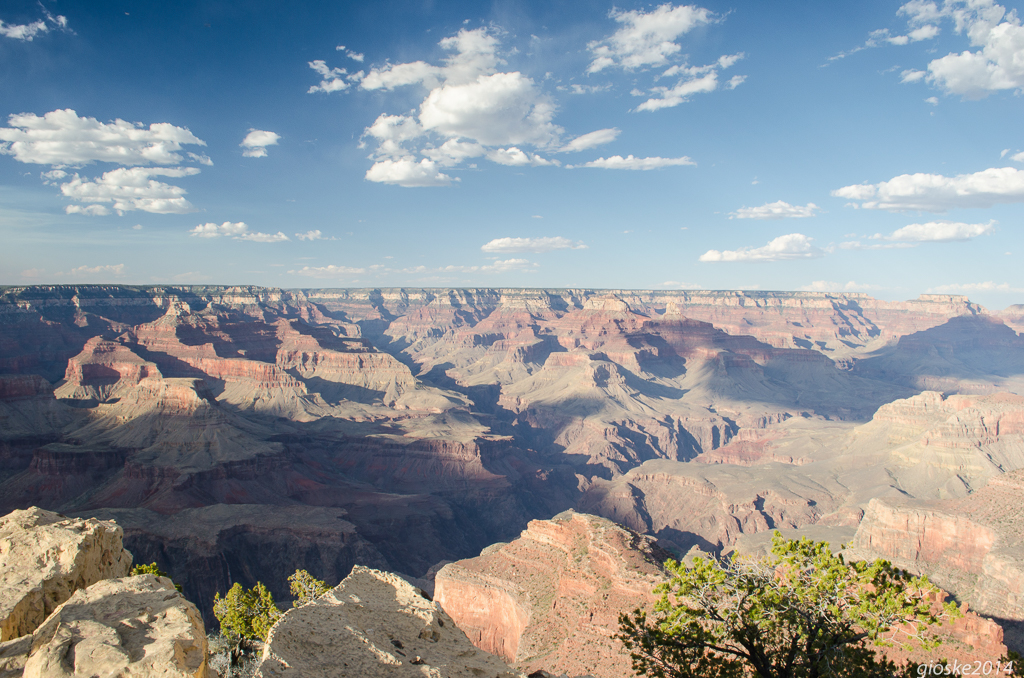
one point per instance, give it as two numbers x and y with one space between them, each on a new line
238 434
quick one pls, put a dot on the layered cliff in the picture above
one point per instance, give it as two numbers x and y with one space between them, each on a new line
550 599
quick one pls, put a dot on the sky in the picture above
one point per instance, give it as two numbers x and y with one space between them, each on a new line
863 146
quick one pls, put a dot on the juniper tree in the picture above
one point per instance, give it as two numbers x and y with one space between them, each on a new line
800 612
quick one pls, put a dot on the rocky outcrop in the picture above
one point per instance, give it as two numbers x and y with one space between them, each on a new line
373 624
135 626
973 547
45 558
550 599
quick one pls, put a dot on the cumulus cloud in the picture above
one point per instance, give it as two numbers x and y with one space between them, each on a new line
310 235
646 38
407 172
997 64
470 109
91 210
631 163
591 140
131 188
330 272
237 230
938 193
110 269
783 248
500 266
256 141
62 138
548 244
941 231
776 210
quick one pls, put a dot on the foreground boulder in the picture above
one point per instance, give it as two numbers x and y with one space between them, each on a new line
46 557
551 599
373 624
135 626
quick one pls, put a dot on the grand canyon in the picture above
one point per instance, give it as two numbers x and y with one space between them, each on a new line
237 434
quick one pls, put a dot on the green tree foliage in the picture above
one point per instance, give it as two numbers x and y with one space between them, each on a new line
246 614
305 588
801 612
153 570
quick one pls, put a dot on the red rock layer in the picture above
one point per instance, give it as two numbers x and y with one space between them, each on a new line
551 598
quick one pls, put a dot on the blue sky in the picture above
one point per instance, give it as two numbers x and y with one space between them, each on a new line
869 146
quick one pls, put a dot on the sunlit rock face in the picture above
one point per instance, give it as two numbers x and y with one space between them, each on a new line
239 433
46 557
551 598
374 624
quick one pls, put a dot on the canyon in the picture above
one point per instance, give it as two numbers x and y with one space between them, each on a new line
241 433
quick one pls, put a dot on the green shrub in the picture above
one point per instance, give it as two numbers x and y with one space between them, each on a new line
246 614
153 570
305 588
799 612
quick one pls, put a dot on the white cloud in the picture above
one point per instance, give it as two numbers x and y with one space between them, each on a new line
1017 157
631 163
500 266
826 286
934 101
62 138
856 245
967 288
91 210
27 32
332 79
937 193
646 38
941 231
998 64
735 81
667 97
775 210
912 76
237 230
116 269
783 248
407 172
400 75
256 141
329 272
24 31
355 56
310 235
510 245
453 152
591 140
132 188
263 237
211 230
494 110
515 157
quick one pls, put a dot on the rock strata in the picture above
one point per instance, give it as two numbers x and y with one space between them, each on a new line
134 626
551 599
373 624
45 558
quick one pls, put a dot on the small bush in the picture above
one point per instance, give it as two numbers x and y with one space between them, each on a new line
246 614
306 588
153 570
